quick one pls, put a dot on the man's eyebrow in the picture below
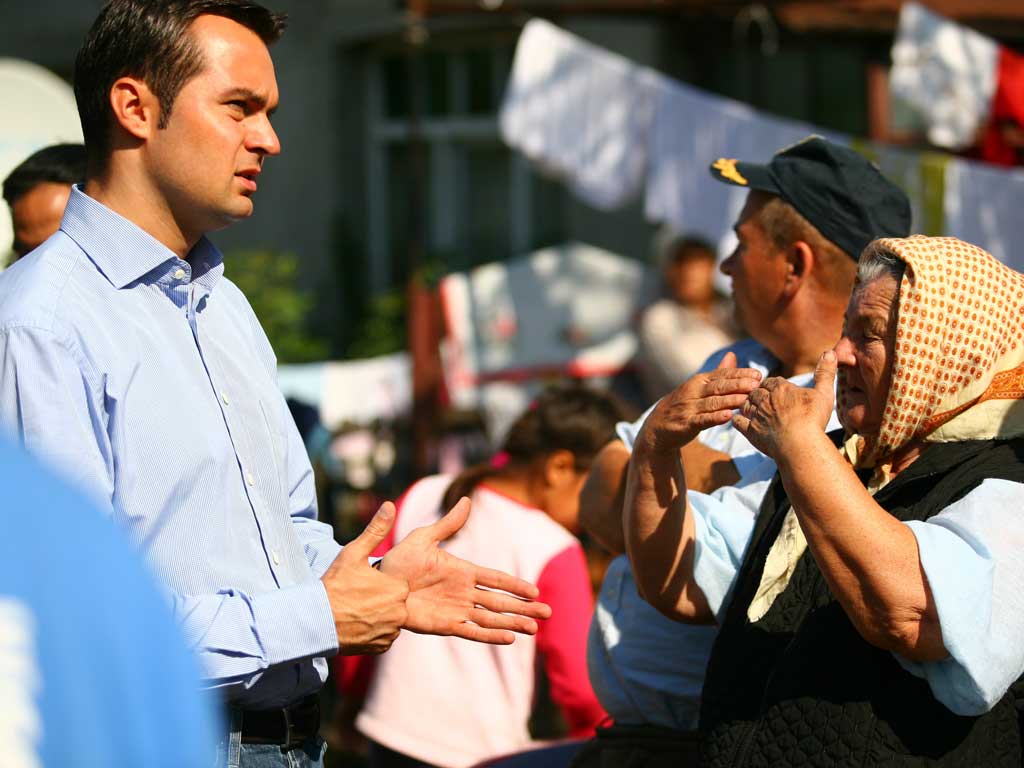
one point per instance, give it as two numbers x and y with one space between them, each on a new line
249 95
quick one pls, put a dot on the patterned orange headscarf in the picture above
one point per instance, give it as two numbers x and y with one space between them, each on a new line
958 368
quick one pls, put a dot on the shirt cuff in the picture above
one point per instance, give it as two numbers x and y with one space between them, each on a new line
295 623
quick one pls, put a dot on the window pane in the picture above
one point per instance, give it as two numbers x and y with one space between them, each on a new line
487 202
784 84
547 206
480 74
841 88
408 206
438 91
397 90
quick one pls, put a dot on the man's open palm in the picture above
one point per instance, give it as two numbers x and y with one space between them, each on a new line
452 596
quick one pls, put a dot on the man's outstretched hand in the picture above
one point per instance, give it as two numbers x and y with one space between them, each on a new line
368 606
452 596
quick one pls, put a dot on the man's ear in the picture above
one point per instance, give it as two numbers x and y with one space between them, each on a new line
559 469
800 262
136 108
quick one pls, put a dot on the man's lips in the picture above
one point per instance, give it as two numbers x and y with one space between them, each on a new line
248 179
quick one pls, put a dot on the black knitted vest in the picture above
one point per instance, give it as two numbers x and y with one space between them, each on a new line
801 687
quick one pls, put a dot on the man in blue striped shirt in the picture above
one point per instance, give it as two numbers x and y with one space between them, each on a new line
130 362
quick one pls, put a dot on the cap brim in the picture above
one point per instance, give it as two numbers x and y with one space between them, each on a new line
740 174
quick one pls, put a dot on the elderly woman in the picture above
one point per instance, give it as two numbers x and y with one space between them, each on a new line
897 638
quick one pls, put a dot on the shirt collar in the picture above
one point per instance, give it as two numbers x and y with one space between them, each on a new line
122 251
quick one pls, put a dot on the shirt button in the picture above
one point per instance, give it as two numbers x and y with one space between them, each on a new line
275 558
250 479
224 397
179 273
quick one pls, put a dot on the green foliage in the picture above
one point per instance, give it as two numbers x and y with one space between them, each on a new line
268 280
382 330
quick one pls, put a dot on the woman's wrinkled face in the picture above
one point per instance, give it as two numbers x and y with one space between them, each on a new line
865 354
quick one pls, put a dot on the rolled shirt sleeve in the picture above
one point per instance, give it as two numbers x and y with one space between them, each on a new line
971 556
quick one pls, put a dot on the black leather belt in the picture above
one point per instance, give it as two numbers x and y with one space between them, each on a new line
289 727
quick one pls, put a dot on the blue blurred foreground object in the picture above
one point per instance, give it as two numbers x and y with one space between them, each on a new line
93 670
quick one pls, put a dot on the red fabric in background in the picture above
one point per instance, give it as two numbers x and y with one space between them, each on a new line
1007 105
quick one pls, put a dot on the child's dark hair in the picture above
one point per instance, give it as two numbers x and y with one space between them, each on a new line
568 417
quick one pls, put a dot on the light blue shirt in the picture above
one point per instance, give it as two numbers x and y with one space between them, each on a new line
149 383
644 667
93 671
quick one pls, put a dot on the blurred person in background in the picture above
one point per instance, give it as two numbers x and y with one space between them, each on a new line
434 702
93 670
37 192
680 331
129 361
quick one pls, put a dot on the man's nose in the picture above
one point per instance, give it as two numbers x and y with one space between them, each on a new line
263 139
726 266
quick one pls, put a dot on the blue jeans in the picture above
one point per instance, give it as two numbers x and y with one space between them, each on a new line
232 753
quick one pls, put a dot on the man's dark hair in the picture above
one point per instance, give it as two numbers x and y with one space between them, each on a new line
56 164
149 40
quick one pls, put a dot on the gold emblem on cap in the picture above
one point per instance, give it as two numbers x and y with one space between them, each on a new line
727 167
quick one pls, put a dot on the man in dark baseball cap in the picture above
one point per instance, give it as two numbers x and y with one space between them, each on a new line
811 210
836 189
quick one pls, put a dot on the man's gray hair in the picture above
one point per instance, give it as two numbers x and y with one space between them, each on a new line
878 261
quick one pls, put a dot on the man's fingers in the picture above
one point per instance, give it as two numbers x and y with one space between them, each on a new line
452 522
499 602
373 534
488 577
470 631
491 620
825 373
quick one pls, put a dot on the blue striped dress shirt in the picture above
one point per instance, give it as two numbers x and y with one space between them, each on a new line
148 381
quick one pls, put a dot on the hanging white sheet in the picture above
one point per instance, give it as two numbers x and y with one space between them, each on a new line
579 111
